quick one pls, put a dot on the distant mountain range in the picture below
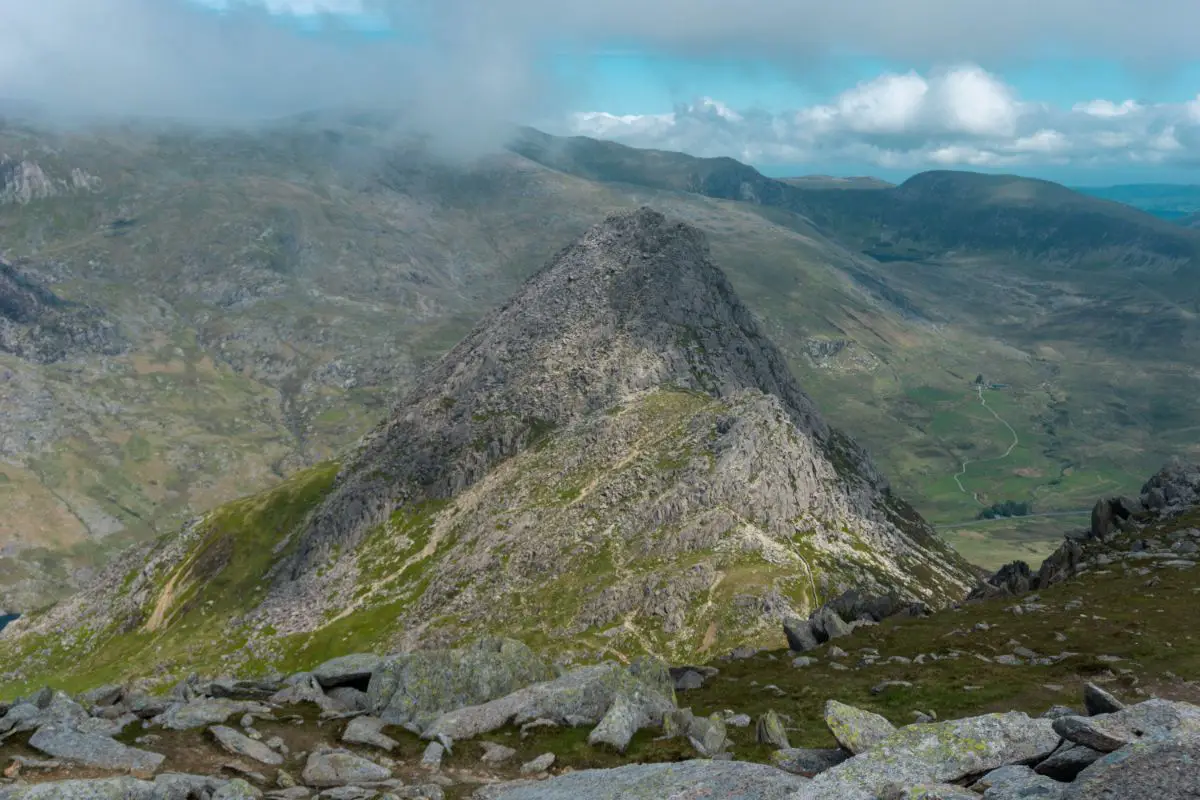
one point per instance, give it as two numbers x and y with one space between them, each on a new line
235 306
1176 202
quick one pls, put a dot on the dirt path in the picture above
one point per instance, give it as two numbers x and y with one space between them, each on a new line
967 462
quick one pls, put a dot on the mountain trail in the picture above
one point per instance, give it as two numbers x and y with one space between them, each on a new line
967 462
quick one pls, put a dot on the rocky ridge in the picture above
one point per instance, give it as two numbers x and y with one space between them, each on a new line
619 443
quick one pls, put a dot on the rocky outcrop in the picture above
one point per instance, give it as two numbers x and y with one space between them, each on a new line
418 688
584 470
39 326
633 306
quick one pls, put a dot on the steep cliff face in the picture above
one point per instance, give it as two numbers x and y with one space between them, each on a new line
616 460
38 326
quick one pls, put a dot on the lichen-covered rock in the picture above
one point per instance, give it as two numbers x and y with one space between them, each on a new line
940 752
94 750
856 730
624 718
728 780
418 687
206 711
100 789
808 761
369 731
239 744
770 731
580 697
1018 782
1162 767
327 768
345 670
237 789
1067 761
1108 732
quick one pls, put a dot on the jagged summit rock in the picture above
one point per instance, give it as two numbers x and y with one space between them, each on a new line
634 304
615 461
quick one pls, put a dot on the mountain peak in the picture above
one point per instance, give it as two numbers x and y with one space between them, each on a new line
635 303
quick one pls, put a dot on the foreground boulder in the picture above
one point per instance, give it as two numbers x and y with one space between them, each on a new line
1108 732
418 687
941 752
94 750
856 730
581 697
1164 767
205 711
729 780
326 768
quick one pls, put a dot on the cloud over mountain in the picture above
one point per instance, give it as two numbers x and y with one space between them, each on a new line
962 116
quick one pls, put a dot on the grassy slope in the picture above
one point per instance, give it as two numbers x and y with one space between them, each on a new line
573 501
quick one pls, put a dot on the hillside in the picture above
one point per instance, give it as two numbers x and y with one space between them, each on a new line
266 295
616 461
1084 688
271 292
1085 309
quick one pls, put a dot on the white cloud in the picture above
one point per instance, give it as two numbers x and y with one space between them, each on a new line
960 117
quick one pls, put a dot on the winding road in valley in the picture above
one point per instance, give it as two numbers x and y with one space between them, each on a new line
967 462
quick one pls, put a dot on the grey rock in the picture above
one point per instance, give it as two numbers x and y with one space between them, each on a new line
708 735
432 757
349 698
205 711
1016 782
728 780
538 765
237 789
1098 701
940 752
808 761
1108 732
934 791
689 680
239 744
304 688
495 753
800 637
771 731
1067 762
1054 712
1164 767
327 768
94 750
347 670
827 624
856 730
369 731
580 697
418 687
101 789
624 718
887 686
101 696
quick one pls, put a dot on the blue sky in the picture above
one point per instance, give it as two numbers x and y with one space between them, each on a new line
1083 91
